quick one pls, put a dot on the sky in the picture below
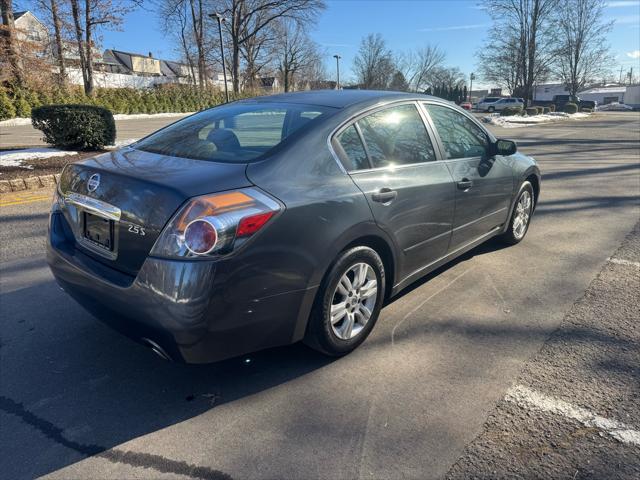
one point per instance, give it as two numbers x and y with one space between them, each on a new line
458 27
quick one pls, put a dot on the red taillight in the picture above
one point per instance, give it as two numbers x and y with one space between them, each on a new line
250 225
200 237
215 224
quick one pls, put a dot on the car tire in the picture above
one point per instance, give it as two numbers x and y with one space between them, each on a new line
491 109
521 215
334 330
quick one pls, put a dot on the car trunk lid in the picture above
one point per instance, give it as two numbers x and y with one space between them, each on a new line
118 203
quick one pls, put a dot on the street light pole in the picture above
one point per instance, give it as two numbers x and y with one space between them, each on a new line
220 19
337 57
472 77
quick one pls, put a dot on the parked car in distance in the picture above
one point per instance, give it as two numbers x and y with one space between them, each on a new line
592 104
466 105
484 104
276 219
561 100
504 103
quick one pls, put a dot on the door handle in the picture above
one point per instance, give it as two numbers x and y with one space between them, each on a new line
384 195
465 184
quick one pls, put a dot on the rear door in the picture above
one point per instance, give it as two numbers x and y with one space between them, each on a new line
484 184
391 157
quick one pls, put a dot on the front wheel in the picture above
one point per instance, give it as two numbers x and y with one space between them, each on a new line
492 109
521 216
348 303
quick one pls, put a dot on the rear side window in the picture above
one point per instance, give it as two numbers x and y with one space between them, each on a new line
354 152
460 136
396 136
234 133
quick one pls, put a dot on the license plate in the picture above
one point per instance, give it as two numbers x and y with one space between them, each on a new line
99 231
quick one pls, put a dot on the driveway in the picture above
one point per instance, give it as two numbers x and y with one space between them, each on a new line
79 401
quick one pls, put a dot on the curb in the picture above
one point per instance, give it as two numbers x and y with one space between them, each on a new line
29 183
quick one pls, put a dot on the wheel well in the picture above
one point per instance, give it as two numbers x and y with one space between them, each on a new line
536 187
382 248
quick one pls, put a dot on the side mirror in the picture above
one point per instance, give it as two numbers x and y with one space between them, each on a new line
504 147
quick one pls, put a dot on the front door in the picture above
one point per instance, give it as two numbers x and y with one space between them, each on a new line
484 184
410 192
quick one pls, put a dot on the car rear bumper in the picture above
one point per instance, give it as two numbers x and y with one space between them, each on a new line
185 310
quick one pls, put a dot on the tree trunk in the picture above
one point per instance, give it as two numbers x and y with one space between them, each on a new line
75 12
57 26
8 35
89 48
235 66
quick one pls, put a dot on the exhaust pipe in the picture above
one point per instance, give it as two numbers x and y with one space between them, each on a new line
157 349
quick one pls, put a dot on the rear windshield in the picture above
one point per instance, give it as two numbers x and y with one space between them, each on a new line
235 133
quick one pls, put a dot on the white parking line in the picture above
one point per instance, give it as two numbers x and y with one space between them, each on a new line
622 261
527 398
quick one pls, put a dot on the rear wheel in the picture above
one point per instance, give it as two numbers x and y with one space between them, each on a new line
348 303
521 216
491 109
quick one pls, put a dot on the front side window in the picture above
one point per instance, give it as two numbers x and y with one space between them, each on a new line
460 136
233 133
396 136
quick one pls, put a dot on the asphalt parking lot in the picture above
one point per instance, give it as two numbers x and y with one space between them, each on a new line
460 358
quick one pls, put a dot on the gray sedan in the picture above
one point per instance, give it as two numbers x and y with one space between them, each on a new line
278 219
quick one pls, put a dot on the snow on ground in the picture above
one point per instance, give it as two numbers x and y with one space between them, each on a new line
615 106
15 122
517 121
134 116
16 158
121 143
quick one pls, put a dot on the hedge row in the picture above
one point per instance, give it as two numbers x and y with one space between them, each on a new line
16 102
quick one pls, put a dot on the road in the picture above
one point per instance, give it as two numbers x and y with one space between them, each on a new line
27 136
79 401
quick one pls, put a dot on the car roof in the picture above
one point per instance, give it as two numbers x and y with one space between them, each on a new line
339 98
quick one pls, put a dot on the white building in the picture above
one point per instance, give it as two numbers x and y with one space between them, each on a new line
604 95
545 92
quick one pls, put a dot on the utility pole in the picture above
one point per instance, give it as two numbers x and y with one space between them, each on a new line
337 57
620 81
220 19
472 77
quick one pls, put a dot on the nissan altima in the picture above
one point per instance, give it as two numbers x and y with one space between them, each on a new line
292 217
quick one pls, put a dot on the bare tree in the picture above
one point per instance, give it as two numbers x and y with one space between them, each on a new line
529 24
88 17
583 54
373 64
499 60
8 46
419 66
296 54
53 11
176 18
248 19
450 77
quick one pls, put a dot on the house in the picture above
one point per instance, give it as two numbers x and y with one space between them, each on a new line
269 84
29 28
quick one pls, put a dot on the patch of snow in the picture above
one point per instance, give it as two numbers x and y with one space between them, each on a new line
19 121
615 106
15 122
518 121
16 158
134 116
121 143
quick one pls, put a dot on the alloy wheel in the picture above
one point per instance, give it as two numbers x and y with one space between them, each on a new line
523 213
353 301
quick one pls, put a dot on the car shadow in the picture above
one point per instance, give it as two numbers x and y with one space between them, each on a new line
72 388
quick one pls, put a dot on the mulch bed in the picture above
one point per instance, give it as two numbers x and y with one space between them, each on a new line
43 166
